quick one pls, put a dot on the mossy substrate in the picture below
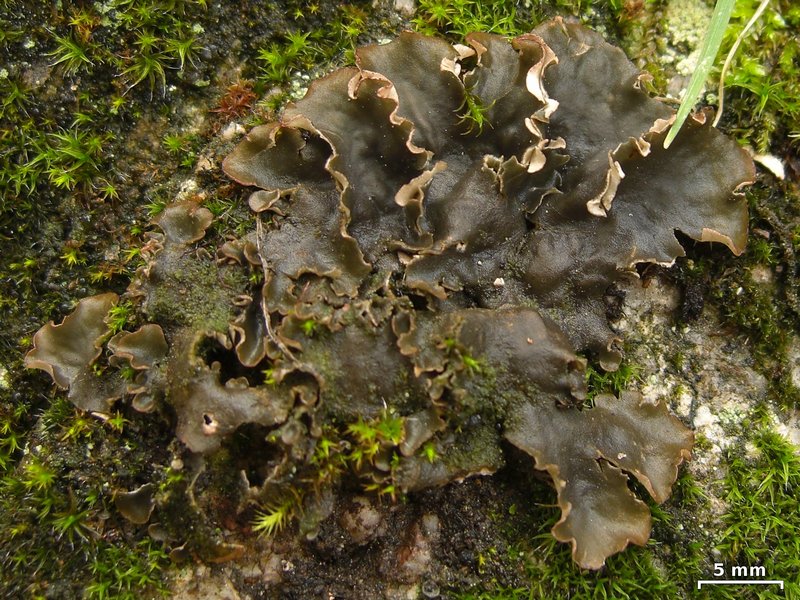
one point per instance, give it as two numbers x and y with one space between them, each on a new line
60 534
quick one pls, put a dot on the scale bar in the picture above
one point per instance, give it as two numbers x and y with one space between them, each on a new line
738 582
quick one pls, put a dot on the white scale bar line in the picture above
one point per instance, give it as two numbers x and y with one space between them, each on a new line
739 581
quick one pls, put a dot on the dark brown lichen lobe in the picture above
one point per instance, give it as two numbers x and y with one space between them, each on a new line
65 350
68 352
437 229
549 192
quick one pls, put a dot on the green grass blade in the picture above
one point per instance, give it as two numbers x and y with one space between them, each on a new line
711 44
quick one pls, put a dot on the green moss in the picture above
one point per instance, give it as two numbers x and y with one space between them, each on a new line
198 293
460 17
119 317
761 312
479 444
473 113
54 508
12 433
142 42
365 452
279 58
158 33
757 295
183 148
760 525
316 34
457 18
124 572
599 381
763 83
272 517
762 518
547 569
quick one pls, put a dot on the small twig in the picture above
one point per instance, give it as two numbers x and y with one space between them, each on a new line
264 311
721 89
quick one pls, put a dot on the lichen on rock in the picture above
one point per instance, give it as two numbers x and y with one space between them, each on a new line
438 229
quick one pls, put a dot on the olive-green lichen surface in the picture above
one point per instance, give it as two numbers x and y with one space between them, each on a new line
437 231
